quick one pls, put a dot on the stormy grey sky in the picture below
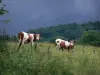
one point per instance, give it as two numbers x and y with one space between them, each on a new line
31 14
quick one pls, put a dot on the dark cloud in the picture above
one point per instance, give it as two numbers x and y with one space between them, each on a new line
26 14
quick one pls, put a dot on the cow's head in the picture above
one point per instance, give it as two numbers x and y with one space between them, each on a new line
36 37
20 35
72 41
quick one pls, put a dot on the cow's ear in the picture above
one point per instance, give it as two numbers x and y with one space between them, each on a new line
74 41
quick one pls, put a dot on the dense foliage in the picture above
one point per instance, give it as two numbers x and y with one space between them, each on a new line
2 8
3 40
66 31
91 37
40 61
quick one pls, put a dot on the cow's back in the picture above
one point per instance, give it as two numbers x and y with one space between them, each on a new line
67 43
25 35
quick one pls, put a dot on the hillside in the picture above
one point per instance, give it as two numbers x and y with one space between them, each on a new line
66 31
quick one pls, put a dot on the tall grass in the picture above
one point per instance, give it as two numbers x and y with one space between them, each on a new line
47 60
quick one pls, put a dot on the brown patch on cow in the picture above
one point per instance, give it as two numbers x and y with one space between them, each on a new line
57 41
29 39
20 35
62 45
34 37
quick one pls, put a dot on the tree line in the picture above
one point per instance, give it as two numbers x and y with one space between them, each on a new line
74 31
87 33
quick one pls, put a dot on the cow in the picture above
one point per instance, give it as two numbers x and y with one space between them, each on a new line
27 38
63 44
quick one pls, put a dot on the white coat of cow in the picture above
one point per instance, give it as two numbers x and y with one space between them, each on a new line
27 37
63 44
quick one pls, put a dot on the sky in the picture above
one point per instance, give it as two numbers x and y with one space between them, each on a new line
32 14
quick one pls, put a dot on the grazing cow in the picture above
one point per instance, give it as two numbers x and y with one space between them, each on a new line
62 44
27 38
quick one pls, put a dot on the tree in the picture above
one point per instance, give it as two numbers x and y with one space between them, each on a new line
3 10
91 37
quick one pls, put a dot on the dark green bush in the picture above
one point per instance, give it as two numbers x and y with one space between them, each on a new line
91 37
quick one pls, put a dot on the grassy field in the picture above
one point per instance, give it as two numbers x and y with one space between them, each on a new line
46 59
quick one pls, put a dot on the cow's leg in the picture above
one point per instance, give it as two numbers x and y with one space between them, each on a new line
72 48
62 49
23 41
32 42
59 49
20 43
73 51
68 48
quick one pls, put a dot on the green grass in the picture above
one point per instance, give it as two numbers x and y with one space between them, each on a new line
49 61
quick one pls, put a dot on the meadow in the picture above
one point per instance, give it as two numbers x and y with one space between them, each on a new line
46 59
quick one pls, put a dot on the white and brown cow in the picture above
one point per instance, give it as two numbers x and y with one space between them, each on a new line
63 44
27 38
